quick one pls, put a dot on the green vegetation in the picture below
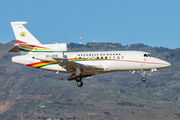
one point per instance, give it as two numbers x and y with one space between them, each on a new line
31 93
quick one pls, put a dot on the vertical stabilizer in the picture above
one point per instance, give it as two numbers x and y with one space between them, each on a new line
23 36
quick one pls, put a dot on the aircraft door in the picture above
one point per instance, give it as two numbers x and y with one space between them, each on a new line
145 58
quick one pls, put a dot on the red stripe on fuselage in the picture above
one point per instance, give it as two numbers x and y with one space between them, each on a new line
37 63
38 46
42 47
143 62
21 42
31 64
128 61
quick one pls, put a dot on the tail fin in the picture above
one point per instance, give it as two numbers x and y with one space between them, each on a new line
23 36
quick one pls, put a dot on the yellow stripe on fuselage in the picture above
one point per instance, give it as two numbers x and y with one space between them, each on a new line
26 47
43 64
42 49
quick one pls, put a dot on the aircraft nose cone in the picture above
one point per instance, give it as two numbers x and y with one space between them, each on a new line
166 64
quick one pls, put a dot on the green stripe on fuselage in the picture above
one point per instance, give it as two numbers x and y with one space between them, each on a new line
49 51
24 50
46 65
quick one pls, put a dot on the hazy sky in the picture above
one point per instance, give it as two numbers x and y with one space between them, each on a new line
151 22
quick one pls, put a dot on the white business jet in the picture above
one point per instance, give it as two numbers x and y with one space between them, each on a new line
54 57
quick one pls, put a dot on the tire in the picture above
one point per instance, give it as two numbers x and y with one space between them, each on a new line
80 84
78 78
144 79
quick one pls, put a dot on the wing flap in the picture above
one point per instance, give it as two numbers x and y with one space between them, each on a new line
73 77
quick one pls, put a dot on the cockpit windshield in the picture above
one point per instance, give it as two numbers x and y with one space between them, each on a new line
149 55
152 55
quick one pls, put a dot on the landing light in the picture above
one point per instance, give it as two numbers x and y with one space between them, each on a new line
154 70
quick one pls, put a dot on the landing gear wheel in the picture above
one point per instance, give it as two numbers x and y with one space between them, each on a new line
80 84
78 78
144 79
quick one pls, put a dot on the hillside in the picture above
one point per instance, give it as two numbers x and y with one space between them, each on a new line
29 93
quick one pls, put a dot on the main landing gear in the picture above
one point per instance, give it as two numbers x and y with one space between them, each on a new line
79 82
79 77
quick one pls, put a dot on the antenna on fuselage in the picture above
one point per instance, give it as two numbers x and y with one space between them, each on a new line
79 39
56 41
64 40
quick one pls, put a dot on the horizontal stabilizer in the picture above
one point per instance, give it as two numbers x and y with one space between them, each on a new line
14 49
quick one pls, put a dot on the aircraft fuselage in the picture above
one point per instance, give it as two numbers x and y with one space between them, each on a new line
109 60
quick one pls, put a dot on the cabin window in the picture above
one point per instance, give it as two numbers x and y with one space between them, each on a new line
116 54
78 54
97 57
119 53
84 58
145 55
122 57
93 58
86 54
79 58
113 54
104 54
75 58
101 57
100 54
107 54
83 54
89 54
118 57
97 54
114 57
110 54
94 54
105 57
109 57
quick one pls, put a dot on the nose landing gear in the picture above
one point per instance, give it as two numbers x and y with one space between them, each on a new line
144 79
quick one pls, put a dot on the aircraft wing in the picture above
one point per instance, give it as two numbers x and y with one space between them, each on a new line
71 66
